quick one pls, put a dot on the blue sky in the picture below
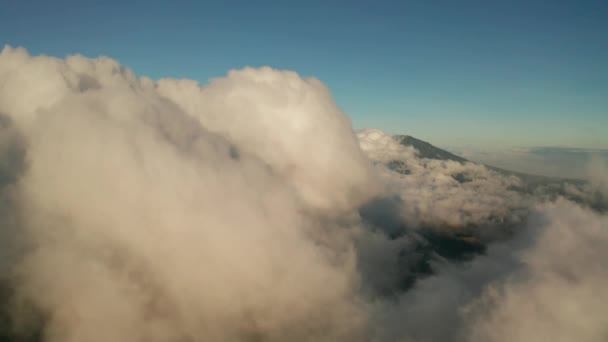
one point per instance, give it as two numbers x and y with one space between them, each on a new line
455 73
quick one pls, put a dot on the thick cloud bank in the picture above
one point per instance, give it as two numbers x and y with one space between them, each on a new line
248 210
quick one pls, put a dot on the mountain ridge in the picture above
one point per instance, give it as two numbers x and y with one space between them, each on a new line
430 151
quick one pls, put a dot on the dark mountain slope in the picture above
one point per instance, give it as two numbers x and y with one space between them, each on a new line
427 150
542 186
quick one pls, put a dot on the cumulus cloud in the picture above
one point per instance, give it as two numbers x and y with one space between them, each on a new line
558 294
597 171
289 122
247 209
12 163
149 225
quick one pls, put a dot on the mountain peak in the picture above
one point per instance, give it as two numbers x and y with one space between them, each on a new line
426 150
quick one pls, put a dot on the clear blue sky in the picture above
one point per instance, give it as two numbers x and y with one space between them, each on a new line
496 73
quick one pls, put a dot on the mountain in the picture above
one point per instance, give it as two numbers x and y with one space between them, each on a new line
426 150
550 187
429 151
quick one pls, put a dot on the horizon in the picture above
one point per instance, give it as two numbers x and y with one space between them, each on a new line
472 74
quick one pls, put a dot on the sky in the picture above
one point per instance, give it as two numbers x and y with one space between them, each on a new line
455 73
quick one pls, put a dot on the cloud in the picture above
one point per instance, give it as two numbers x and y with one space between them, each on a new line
12 164
149 225
247 209
291 123
545 283
558 293
597 171
443 192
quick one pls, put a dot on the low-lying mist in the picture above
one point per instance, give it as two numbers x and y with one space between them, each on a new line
247 209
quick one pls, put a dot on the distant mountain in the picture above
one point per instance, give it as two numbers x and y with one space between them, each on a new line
550 187
462 244
426 150
429 151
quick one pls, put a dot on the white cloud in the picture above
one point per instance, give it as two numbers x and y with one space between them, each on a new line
559 294
247 209
148 225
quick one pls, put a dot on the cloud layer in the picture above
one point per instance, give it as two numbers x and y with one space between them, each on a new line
248 210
